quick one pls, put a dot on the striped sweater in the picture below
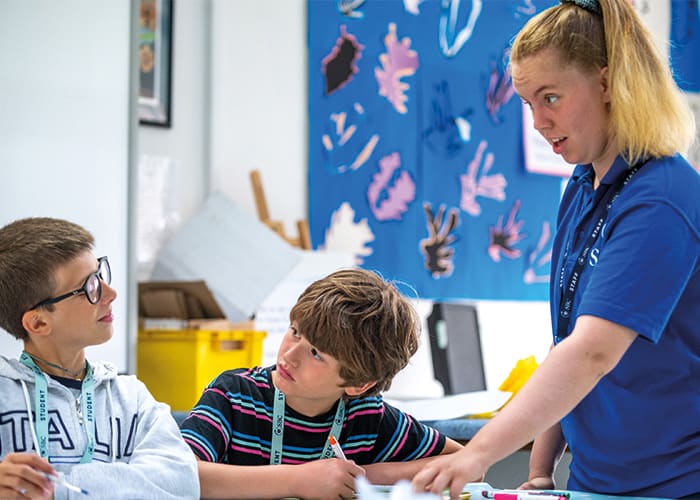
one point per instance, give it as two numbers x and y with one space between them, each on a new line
232 424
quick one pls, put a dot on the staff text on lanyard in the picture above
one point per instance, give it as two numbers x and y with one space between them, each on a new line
568 288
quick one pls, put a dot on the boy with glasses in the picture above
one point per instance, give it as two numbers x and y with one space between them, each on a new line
68 425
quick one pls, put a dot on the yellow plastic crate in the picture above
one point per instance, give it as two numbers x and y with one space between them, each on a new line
176 365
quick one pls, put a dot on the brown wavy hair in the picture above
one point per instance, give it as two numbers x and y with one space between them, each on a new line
361 320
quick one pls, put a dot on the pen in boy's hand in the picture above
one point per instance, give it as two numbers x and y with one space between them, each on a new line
335 446
59 480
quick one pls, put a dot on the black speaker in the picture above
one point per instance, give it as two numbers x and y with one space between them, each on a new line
455 347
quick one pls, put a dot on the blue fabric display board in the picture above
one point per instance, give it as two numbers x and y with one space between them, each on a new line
416 152
685 43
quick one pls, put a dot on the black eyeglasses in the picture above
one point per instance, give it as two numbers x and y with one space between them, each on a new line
92 288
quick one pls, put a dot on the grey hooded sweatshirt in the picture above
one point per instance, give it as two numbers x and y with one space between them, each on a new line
138 449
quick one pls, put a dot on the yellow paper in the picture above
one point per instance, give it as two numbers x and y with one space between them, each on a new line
517 377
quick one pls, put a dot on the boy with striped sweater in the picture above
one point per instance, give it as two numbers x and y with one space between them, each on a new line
263 432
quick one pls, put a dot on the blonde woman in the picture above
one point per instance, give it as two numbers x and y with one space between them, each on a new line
620 384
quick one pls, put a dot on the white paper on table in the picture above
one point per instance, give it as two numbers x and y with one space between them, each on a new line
402 490
453 406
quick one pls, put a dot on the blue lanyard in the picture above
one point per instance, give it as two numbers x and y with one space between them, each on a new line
41 392
278 428
567 292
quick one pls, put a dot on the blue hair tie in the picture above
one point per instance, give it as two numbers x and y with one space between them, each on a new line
589 5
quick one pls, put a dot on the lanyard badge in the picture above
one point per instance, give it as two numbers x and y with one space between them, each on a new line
278 428
568 287
41 424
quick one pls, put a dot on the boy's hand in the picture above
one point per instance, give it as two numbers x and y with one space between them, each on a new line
329 478
21 477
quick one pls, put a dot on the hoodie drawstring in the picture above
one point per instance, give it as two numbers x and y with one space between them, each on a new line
29 415
112 421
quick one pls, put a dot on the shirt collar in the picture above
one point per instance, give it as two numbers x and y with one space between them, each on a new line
584 174
617 170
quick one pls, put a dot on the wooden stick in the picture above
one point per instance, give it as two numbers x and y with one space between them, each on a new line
303 241
259 194
304 236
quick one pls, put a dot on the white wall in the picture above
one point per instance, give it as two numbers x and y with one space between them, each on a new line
65 126
259 96
185 145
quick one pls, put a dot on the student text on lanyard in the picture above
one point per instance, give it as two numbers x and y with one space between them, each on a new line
278 428
41 411
568 288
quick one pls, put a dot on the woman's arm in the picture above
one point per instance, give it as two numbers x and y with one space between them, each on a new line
546 454
566 376
391 472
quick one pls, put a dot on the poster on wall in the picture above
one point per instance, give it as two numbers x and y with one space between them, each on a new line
415 147
684 48
155 57
685 44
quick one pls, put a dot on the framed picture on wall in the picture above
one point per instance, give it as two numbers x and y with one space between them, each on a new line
155 57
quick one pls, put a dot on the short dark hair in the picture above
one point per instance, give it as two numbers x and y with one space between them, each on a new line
31 250
361 320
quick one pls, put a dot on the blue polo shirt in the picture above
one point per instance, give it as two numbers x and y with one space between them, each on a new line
638 431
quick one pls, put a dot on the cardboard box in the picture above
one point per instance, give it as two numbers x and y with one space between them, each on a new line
185 341
190 302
